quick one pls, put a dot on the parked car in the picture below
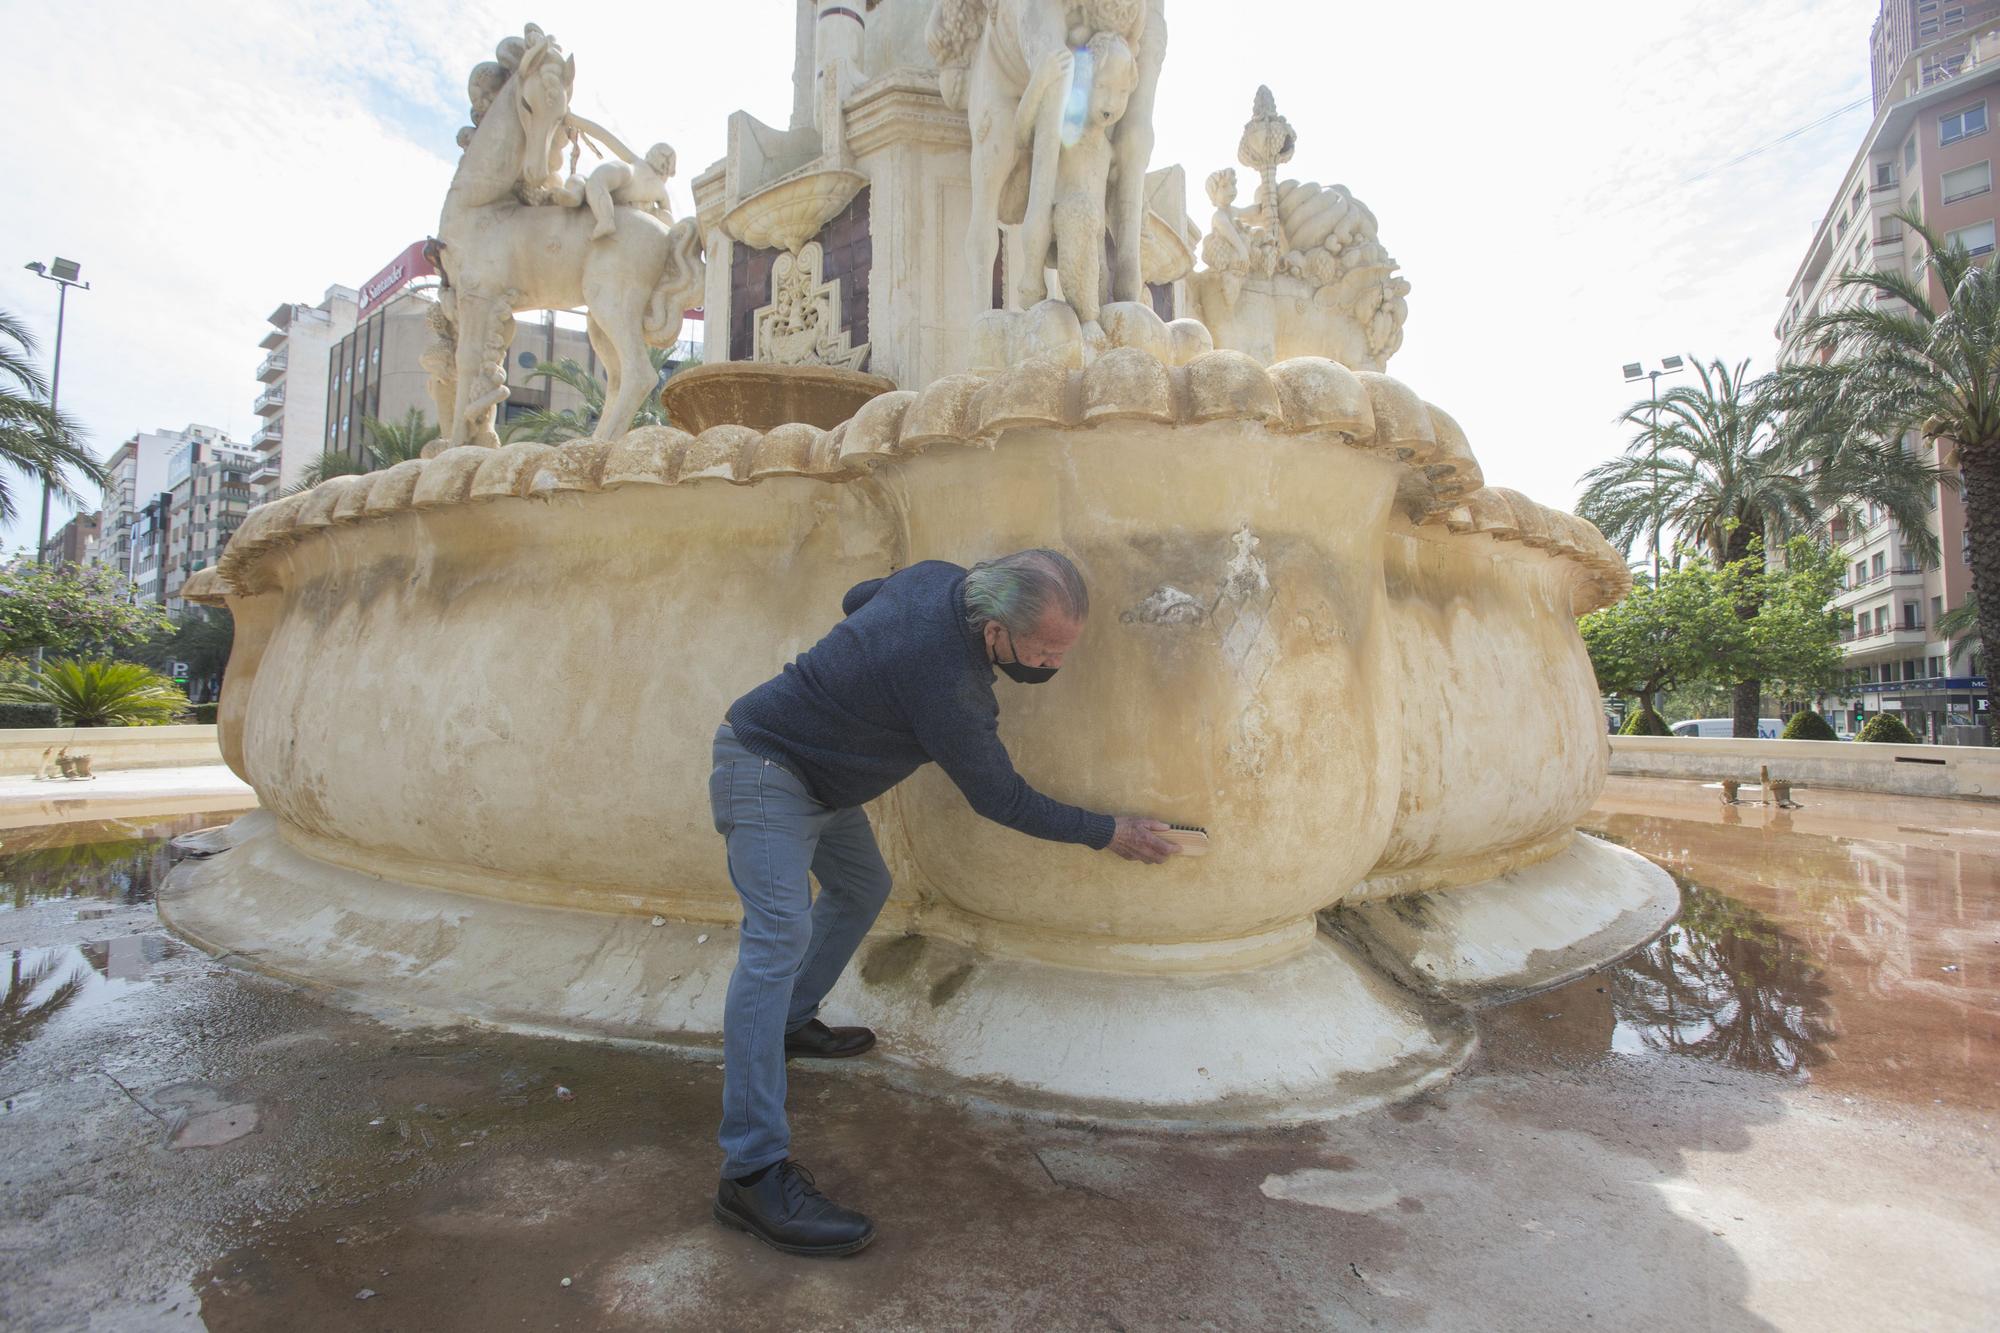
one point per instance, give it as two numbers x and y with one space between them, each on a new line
1768 728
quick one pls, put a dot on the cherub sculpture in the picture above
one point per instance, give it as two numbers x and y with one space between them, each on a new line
637 183
1105 73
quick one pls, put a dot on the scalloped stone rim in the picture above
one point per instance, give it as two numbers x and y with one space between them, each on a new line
1304 397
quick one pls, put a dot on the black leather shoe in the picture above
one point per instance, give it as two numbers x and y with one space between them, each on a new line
818 1041
787 1212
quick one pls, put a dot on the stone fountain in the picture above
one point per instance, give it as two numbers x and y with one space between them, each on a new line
475 691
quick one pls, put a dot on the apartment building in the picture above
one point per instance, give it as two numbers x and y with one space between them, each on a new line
293 401
208 496
74 542
1937 28
374 371
140 468
1928 153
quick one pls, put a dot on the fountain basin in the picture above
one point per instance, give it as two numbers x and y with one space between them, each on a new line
1294 572
763 396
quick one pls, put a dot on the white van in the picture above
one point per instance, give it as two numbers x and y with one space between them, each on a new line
1722 728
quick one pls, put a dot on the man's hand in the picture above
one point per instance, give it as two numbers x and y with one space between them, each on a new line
1138 840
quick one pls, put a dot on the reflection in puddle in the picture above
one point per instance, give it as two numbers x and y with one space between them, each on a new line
1855 943
1725 984
44 983
116 860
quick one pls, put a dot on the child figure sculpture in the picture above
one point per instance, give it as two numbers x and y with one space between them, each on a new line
637 183
1080 95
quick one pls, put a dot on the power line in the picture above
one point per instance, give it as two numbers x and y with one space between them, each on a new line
1786 137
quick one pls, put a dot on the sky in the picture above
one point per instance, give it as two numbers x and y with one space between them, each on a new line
1558 180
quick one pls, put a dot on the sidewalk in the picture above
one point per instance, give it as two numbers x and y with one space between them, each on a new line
26 801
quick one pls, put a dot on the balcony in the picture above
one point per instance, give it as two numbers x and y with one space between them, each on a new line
273 366
1898 578
270 433
270 402
1900 640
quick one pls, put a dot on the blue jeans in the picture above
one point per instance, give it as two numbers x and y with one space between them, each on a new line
793 946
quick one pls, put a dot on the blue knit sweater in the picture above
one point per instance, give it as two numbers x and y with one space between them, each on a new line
901 682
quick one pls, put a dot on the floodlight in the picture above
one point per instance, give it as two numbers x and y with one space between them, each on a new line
1671 363
1634 371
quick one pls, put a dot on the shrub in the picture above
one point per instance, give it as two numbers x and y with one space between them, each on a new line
29 715
1645 722
203 713
1887 729
1807 725
101 694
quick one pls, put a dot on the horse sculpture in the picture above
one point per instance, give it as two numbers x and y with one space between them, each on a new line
507 243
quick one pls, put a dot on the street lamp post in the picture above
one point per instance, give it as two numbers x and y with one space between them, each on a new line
1636 370
62 272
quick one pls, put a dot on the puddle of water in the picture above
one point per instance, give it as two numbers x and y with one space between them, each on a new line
1854 943
38 985
117 861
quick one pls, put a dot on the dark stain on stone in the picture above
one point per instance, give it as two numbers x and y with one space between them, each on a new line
949 984
1408 1205
892 960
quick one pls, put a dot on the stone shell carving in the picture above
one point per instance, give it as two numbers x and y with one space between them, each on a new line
1308 397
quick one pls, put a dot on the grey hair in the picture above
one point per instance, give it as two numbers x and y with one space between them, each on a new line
1018 590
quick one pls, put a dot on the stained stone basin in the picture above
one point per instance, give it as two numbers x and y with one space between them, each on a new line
764 397
1314 630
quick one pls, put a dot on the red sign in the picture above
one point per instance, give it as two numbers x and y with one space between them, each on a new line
402 270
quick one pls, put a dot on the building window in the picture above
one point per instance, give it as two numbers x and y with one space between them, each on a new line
1934 667
1976 239
1885 175
1937 609
1910 155
1962 124
1877 565
527 360
1967 182
1910 620
1860 572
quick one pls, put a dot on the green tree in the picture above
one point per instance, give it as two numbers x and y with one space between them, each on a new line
35 439
576 423
201 637
383 444
101 693
1712 468
72 609
1895 359
1795 637
1668 633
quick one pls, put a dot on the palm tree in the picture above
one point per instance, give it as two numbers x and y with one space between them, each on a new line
384 444
1960 626
1711 463
101 694
575 423
1896 360
393 442
35 438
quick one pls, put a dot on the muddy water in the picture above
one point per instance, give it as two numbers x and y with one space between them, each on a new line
1853 943
116 862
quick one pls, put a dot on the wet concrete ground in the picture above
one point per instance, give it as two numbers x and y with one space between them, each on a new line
1781 1114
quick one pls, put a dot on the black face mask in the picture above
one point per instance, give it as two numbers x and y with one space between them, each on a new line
1025 675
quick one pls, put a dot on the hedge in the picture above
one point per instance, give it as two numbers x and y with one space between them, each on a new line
202 713
1645 722
1807 725
1887 729
29 715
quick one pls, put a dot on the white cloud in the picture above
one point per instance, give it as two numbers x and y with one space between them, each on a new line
207 163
